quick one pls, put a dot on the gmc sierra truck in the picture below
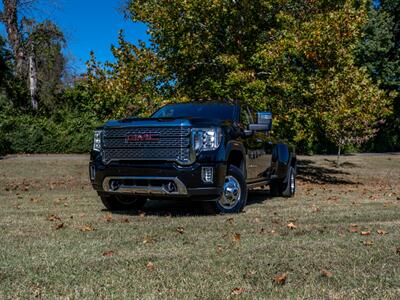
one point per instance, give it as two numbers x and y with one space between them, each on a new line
192 151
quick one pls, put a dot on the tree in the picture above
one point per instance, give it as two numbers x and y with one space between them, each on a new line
288 57
379 52
132 85
36 49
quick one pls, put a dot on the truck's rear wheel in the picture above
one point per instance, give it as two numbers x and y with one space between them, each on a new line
234 194
118 202
286 188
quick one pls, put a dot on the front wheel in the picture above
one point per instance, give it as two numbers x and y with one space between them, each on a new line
118 202
234 194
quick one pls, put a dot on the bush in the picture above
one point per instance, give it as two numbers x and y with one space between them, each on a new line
64 132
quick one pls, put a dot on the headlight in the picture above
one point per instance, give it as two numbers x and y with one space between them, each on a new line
97 140
206 139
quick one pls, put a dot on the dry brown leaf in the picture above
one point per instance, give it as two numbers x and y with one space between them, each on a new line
219 248
181 230
150 266
108 253
281 279
353 230
53 218
86 228
381 232
326 273
108 217
365 232
368 243
236 237
59 226
291 226
315 209
230 220
125 220
148 240
237 291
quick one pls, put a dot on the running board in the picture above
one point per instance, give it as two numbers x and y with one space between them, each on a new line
257 184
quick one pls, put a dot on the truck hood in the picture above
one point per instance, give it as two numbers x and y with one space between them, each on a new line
167 122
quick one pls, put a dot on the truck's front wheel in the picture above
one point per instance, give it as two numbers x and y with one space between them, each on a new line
114 202
234 194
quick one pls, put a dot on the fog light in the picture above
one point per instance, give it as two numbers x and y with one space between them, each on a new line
207 174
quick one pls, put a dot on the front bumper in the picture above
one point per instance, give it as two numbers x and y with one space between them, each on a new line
157 179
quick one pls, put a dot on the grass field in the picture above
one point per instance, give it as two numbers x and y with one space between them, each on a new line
339 238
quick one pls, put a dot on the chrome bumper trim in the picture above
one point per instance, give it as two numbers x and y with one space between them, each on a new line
145 189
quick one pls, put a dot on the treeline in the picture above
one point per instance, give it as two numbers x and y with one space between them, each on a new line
329 70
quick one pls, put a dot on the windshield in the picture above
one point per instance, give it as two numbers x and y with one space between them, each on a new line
209 111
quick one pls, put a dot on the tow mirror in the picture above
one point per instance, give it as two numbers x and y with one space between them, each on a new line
264 122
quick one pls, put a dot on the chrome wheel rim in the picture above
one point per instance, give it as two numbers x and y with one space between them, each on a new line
231 194
292 184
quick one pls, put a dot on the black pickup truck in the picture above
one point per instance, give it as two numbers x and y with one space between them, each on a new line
211 152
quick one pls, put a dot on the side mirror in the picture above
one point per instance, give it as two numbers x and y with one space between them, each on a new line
264 122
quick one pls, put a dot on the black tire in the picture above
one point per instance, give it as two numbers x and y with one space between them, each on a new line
114 202
235 182
285 188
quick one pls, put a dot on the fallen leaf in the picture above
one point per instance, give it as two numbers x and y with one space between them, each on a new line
291 226
315 208
148 240
326 273
53 218
150 266
125 220
236 237
86 228
353 230
257 220
219 248
181 230
237 291
230 220
108 253
365 232
59 226
368 243
142 214
108 217
381 232
280 279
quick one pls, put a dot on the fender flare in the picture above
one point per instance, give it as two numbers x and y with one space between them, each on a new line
281 158
236 146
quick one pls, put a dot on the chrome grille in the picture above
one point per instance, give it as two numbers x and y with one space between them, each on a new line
170 144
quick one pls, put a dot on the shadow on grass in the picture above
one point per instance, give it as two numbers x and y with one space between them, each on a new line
188 208
309 171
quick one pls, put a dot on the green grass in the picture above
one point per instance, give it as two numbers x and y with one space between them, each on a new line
205 261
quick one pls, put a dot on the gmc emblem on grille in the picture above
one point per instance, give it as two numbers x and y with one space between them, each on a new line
141 138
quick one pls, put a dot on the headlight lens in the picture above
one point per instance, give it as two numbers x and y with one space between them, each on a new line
206 139
97 140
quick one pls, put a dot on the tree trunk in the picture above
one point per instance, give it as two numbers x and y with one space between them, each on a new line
33 82
338 158
10 20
